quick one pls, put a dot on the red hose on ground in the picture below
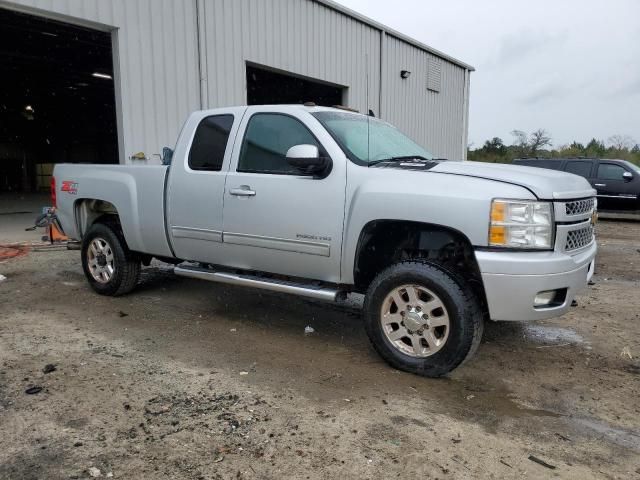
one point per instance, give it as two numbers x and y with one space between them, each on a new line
12 251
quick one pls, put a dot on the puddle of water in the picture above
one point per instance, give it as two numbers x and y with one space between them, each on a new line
496 401
552 335
527 410
505 405
620 436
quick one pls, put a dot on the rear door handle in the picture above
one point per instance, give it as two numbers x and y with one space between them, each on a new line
243 191
600 184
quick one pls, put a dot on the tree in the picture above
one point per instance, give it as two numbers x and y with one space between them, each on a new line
530 145
538 140
621 142
520 138
576 149
595 148
520 145
494 150
495 146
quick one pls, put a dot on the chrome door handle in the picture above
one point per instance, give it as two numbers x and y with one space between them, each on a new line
600 184
243 191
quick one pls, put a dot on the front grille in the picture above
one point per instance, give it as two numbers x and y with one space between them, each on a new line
579 238
579 207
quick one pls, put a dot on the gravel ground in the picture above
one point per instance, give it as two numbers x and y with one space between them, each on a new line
187 379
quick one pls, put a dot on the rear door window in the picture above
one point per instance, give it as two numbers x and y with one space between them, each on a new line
610 171
579 167
210 143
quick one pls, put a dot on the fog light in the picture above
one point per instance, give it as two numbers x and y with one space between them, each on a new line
551 298
544 299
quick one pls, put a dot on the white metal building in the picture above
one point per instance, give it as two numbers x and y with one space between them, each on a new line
170 57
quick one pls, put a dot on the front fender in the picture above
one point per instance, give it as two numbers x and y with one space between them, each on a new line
452 201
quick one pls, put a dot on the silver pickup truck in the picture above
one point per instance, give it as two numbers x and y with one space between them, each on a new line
323 202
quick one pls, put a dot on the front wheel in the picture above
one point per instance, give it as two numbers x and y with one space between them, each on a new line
422 319
109 266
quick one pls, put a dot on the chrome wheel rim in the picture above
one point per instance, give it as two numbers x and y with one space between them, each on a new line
100 260
415 321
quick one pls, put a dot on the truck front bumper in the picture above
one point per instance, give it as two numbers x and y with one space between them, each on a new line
513 280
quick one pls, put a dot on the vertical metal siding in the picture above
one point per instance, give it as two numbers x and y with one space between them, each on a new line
302 37
157 43
157 48
434 119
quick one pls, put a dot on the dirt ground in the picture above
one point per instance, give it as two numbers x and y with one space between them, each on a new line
188 379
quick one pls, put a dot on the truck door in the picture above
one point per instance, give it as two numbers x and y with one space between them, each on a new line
195 188
276 219
614 182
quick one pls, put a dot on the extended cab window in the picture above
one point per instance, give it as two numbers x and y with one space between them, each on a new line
609 171
210 143
579 168
268 138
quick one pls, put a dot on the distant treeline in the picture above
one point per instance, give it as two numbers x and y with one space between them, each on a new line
538 144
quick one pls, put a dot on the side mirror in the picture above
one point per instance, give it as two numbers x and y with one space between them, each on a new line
167 156
307 159
628 176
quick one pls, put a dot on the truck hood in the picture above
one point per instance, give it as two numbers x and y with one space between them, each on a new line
545 184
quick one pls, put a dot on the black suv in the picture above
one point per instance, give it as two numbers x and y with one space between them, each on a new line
616 181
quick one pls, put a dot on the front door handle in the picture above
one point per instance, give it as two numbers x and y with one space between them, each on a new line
600 184
243 191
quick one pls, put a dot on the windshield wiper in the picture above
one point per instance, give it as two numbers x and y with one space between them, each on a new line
398 159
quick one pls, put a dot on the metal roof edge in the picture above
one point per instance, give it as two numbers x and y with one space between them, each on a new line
389 31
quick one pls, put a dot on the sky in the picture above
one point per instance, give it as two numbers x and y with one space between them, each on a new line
571 67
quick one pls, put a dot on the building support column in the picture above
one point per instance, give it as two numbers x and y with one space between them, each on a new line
202 53
465 113
383 69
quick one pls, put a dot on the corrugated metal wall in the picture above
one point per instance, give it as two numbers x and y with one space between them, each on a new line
434 119
302 37
158 63
160 53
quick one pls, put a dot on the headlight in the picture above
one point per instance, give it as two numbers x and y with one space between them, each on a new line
521 224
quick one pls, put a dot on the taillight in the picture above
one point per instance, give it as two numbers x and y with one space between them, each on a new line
53 192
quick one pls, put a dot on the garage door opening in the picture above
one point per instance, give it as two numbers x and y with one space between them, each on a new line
57 99
266 87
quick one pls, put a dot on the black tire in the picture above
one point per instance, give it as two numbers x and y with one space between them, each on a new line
465 317
125 263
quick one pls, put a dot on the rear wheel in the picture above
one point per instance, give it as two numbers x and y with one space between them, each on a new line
422 319
109 266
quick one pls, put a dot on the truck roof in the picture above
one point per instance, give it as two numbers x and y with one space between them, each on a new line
309 107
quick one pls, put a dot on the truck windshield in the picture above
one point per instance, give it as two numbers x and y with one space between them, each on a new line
367 140
633 166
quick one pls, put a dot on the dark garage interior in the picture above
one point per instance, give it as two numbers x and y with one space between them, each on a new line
267 87
57 100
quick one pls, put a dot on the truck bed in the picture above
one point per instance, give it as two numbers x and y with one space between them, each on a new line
137 193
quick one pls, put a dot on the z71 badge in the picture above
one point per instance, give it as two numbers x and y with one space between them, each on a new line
70 187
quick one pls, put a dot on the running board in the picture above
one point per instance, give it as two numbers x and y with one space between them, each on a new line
319 292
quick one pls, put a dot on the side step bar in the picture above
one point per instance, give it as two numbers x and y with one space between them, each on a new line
317 292
73 245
